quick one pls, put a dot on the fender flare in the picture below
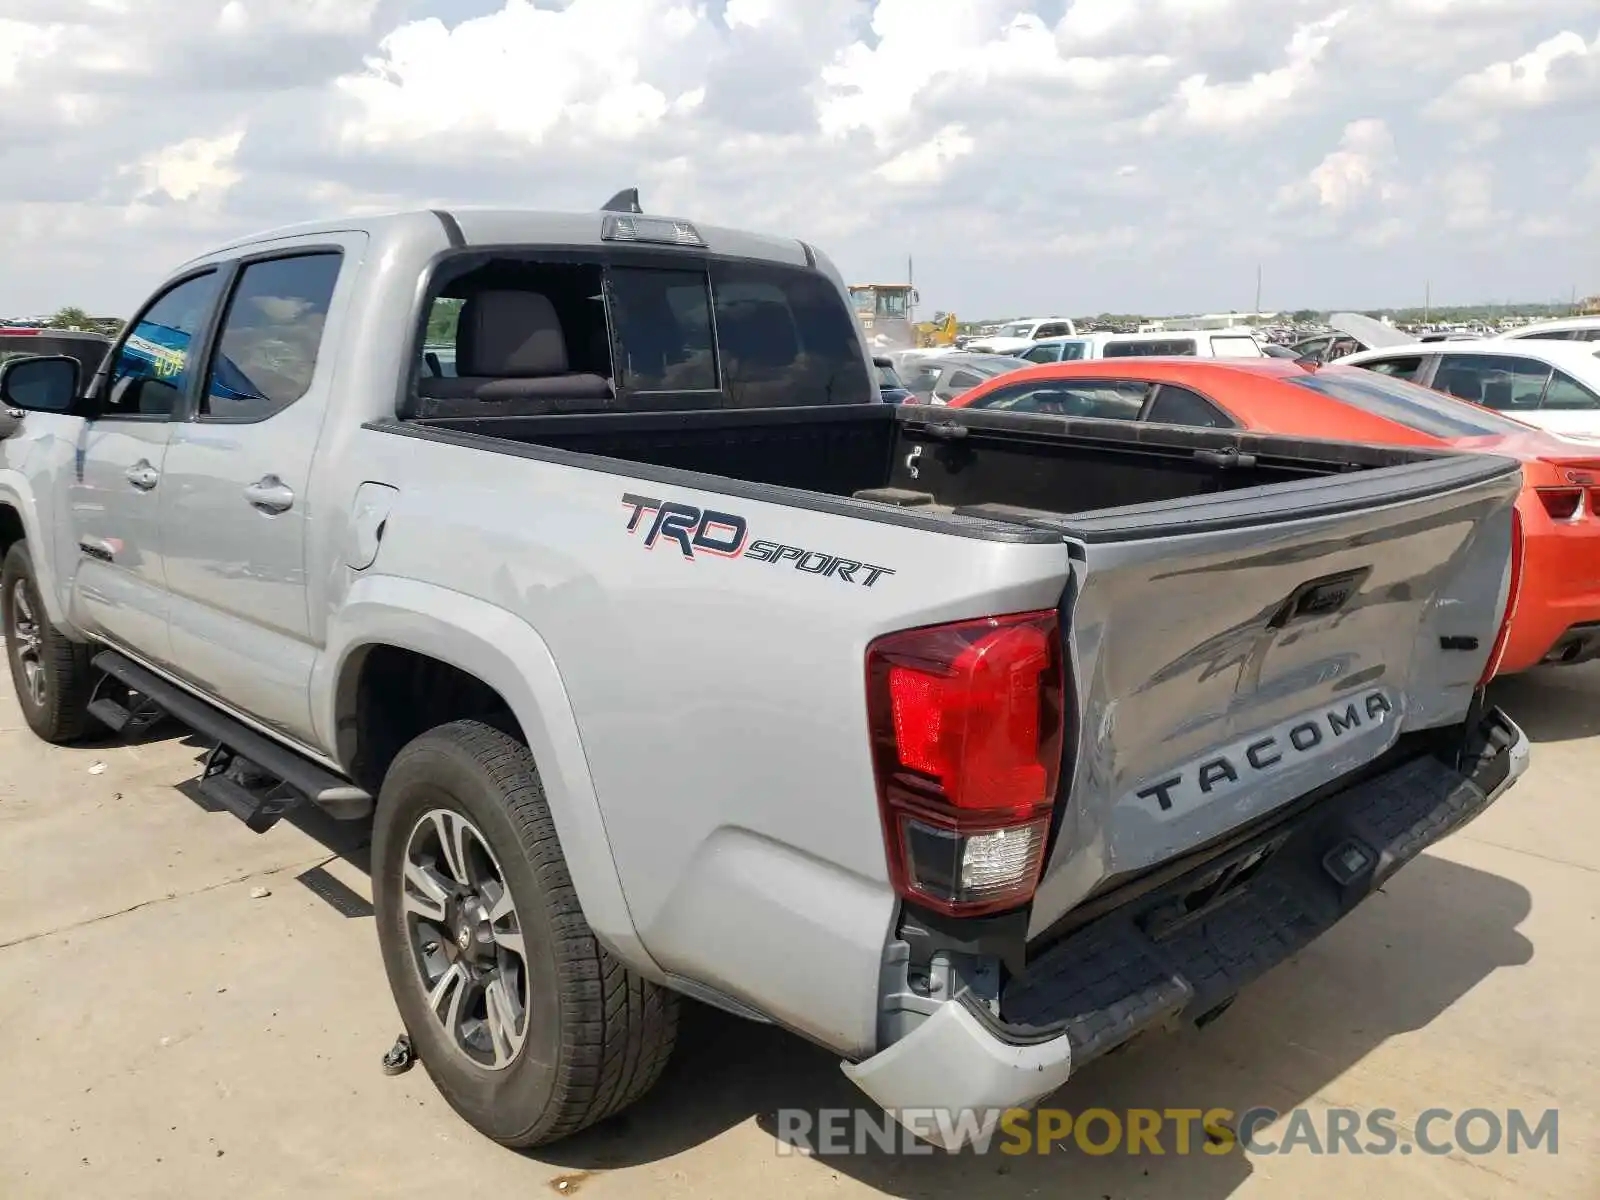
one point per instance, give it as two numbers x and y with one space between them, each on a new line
17 493
507 654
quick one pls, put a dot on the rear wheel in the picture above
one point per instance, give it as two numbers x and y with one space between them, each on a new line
51 673
528 1027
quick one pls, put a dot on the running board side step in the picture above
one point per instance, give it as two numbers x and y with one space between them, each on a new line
248 774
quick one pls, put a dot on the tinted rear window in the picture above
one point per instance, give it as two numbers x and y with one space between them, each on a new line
1408 404
663 325
1153 347
786 338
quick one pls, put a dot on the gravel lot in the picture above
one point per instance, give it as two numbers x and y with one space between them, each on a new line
167 1030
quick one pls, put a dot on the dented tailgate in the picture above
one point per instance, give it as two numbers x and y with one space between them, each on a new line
1235 652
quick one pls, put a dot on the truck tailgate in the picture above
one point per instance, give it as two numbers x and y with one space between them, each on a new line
1232 653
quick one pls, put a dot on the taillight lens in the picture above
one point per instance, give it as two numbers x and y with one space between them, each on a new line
1512 592
966 723
1563 504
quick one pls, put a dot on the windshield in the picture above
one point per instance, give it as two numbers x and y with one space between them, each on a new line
1408 404
1016 329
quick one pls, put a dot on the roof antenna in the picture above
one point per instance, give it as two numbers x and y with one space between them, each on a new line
625 201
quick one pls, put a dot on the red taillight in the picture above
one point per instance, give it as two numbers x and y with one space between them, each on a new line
966 724
1563 504
1512 592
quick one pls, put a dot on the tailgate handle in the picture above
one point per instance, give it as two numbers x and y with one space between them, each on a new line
1319 597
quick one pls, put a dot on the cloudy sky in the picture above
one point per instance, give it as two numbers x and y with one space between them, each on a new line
1033 155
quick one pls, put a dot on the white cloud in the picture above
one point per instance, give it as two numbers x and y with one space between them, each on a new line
1031 154
21 42
522 74
1264 97
929 162
1354 172
196 169
1559 66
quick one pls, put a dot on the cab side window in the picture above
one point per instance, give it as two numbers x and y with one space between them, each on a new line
1107 400
267 351
147 378
1565 392
1180 406
1400 368
1496 381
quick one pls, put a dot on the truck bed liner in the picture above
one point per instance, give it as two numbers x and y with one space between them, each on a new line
981 473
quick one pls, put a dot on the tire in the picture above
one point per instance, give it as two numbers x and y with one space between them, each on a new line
596 1037
51 673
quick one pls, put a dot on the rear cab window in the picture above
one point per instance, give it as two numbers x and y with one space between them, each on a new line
521 333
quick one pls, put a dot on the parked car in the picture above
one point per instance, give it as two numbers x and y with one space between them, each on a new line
1552 384
695 671
1557 618
28 341
1349 333
1019 335
890 386
1182 343
1569 329
939 378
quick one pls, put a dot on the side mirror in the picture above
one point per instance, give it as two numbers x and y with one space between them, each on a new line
45 384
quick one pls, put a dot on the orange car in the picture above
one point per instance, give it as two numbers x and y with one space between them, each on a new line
1557 617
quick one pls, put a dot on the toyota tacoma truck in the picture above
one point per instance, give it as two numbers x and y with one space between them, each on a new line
668 661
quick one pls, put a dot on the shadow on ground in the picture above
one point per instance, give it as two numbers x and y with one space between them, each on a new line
1552 704
1404 957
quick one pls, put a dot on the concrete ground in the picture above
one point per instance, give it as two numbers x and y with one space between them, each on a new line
167 1030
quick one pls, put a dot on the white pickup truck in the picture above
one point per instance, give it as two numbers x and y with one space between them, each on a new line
669 661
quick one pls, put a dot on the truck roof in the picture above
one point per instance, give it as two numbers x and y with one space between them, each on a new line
487 227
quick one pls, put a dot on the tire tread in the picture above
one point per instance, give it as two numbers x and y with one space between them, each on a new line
618 1029
71 675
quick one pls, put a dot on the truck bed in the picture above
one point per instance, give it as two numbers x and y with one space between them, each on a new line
1058 475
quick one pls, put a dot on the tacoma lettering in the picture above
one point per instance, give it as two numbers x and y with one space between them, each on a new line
1220 773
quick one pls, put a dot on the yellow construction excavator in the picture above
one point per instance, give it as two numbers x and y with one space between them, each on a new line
884 311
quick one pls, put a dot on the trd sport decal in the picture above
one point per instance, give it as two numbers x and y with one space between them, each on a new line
696 531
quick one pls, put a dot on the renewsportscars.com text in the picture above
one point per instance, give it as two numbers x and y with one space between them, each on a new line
1170 1131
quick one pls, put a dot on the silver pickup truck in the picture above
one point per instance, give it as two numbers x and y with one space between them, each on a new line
668 661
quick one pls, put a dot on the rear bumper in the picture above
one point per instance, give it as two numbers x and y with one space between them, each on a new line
1558 613
1181 952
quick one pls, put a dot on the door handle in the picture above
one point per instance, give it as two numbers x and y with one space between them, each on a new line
143 476
270 494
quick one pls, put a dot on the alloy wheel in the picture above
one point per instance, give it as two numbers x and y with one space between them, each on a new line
466 942
27 643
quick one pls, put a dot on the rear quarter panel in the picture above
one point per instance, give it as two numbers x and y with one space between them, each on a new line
720 700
